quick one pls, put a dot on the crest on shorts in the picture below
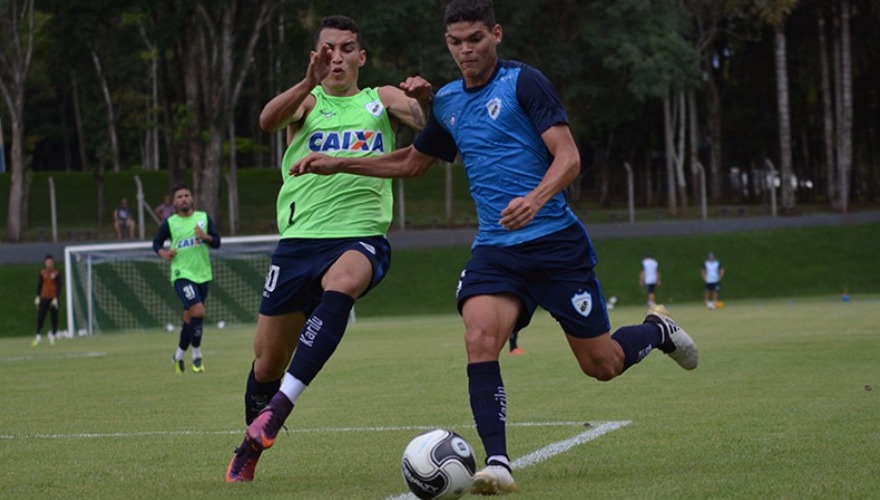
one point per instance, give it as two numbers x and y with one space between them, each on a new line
583 303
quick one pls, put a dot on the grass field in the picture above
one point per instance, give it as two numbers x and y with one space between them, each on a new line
784 404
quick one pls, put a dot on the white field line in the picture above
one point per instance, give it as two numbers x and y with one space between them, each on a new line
9 359
100 435
550 450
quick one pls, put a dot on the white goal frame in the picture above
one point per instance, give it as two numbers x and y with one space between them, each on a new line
81 318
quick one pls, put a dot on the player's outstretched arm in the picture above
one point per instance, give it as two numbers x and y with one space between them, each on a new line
406 162
292 105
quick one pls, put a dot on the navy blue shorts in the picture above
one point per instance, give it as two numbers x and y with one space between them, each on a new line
191 293
713 287
651 288
293 283
555 272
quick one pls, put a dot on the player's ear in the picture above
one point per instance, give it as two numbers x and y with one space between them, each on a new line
363 58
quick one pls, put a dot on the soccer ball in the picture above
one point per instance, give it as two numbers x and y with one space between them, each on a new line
439 464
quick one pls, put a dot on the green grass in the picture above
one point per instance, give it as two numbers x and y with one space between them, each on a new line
783 405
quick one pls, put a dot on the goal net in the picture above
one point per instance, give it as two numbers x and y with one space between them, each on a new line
126 286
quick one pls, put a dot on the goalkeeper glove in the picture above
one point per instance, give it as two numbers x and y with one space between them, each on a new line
55 303
37 301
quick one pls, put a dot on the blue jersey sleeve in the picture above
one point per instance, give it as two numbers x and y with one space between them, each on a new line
433 140
539 99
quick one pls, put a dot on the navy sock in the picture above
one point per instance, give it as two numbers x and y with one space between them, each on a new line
489 405
184 337
321 334
637 341
257 396
195 326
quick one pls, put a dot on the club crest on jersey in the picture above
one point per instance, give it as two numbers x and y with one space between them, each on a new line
494 108
375 108
366 141
583 303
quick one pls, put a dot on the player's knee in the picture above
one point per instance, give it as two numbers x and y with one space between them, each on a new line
197 311
481 343
266 370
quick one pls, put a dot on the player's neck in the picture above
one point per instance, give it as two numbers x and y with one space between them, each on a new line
341 91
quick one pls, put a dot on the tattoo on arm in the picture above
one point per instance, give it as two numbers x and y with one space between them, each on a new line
420 112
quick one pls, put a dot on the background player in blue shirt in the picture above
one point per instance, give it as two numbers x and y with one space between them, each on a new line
506 121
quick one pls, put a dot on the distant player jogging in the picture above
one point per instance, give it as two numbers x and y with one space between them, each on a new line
530 249
191 233
333 248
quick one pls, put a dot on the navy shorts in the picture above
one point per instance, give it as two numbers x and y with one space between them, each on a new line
191 293
293 283
555 272
713 287
651 288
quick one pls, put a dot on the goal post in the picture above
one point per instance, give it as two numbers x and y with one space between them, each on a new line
126 286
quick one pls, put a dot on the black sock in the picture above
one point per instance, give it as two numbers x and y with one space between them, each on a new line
257 396
195 327
489 405
637 341
320 336
184 337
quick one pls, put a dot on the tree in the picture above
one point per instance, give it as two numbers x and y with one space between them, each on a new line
214 67
17 32
775 13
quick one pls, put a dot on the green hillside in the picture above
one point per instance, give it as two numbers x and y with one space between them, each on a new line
760 265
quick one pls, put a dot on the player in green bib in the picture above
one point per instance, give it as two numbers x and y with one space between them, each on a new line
191 233
333 248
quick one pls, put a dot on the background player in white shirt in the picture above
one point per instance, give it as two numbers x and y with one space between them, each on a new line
649 278
712 273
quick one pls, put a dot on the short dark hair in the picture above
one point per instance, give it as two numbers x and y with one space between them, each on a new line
470 11
48 256
342 23
178 187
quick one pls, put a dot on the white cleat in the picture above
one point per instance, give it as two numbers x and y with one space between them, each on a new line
678 344
493 480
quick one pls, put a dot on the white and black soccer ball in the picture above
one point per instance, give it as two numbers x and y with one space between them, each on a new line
439 464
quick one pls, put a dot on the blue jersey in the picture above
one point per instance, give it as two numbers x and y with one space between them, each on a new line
497 129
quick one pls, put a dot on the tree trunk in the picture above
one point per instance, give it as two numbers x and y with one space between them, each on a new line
694 142
713 126
844 126
77 116
111 115
16 60
669 132
680 151
786 172
827 115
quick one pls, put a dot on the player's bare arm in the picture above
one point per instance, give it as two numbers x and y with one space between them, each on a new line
411 102
563 171
294 104
406 162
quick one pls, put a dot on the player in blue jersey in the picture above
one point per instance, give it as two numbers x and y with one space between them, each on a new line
508 124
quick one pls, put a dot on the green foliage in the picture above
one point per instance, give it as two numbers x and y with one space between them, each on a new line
783 405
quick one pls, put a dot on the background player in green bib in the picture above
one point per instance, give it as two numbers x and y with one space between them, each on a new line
333 247
191 232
